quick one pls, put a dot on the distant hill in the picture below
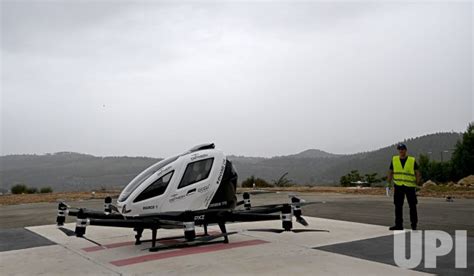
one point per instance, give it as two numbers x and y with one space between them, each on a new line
313 153
67 171
325 168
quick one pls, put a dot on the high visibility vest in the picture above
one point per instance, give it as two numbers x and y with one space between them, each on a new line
404 175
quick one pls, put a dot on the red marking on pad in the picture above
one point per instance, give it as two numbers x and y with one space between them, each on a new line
120 244
185 251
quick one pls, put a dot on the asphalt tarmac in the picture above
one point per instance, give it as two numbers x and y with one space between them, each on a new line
357 242
433 213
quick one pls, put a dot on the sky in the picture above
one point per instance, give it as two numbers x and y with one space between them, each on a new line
257 78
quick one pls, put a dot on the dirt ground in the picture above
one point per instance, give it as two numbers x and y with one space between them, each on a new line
11 199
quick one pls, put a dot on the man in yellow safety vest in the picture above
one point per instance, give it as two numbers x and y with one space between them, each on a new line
405 175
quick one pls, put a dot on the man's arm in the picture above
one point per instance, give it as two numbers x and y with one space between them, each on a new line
389 176
417 174
390 173
418 177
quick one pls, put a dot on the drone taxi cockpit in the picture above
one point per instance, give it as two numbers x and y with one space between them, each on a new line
200 178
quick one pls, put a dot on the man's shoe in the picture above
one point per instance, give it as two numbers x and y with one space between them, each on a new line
413 227
396 227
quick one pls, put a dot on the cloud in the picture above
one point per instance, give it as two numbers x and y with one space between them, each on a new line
153 78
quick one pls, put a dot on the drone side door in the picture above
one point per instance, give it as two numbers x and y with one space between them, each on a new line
198 182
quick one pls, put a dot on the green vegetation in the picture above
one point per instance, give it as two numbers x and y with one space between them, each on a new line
283 181
31 190
46 190
259 182
19 189
354 176
23 189
460 165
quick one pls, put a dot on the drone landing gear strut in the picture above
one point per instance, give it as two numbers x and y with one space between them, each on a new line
138 236
153 237
224 231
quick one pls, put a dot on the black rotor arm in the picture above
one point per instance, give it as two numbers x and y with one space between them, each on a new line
94 214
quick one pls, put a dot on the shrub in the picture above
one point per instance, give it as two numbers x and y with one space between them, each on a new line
283 181
19 189
46 190
31 190
259 182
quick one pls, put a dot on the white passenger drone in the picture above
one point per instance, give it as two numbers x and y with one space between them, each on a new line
197 187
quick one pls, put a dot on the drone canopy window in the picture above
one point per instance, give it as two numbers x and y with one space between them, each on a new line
156 188
139 179
196 171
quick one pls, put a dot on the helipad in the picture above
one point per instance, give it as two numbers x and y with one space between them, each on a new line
247 253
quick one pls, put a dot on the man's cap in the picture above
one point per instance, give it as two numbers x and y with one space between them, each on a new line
401 146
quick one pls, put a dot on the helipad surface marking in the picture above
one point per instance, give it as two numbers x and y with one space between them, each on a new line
121 244
185 251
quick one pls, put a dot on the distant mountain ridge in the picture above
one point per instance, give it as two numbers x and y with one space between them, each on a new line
314 153
75 171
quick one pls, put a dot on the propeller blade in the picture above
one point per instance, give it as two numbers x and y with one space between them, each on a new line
278 231
92 241
302 221
71 233
66 231
277 207
307 230
257 192
114 208
213 237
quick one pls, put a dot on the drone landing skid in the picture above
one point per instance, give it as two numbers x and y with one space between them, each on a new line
202 240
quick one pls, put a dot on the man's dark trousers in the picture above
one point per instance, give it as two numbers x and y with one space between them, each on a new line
399 198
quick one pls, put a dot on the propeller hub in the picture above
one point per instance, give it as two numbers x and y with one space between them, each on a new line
247 203
62 211
81 223
286 217
107 205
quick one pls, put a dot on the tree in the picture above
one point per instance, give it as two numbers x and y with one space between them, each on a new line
19 189
345 182
463 155
31 190
424 165
259 182
371 178
283 181
46 190
434 170
353 176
